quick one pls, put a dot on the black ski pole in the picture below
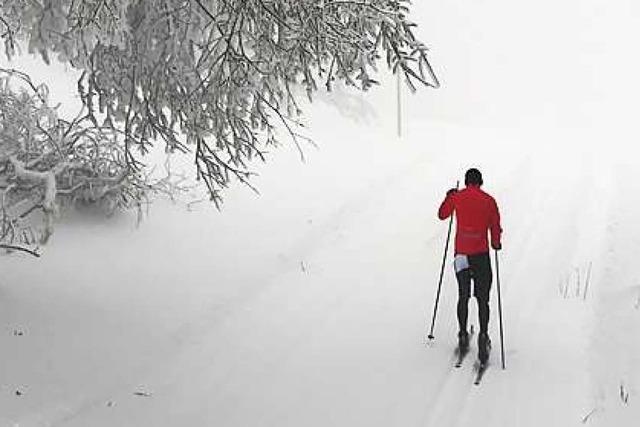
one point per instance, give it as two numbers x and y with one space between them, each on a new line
500 310
444 258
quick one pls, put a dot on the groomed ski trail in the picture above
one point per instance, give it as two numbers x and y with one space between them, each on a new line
547 380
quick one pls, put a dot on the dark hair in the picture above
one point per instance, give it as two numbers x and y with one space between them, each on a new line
473 176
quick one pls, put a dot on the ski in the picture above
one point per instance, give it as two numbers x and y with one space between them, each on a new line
483 362
482 368
463 354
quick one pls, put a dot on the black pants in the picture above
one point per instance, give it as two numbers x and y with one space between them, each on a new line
480 271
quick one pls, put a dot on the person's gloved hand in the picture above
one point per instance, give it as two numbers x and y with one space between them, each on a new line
452 191
496 246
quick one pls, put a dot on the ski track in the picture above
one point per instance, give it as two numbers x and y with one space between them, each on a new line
308 324
454 393
614 351
546 330
342 342
264 355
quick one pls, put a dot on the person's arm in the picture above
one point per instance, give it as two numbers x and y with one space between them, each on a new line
494 226
447 206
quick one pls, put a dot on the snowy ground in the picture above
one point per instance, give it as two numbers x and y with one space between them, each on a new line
309 305
314 313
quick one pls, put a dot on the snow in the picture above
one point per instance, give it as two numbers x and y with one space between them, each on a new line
309 304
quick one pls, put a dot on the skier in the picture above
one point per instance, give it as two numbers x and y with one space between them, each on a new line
476 215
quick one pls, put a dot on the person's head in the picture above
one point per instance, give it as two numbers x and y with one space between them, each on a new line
473 177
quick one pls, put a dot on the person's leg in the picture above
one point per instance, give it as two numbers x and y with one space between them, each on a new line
482 278
464 292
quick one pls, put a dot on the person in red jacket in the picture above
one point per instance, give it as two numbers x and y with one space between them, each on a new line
476 216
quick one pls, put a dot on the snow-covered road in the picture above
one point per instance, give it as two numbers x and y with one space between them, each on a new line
200 318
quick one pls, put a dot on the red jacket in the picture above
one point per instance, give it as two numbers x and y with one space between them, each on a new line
476 214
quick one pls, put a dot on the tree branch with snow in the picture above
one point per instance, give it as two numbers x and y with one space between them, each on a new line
47 162
215 78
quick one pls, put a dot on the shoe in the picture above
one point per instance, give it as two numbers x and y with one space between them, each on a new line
463 341
484 347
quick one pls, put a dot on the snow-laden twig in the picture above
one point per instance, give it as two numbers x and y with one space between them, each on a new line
588 416
19 248
586 284
624 394
48 180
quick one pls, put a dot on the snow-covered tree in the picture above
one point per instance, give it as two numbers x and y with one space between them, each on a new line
47 162
214 76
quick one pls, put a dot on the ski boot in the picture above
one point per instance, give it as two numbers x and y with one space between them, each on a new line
484 347
463 342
